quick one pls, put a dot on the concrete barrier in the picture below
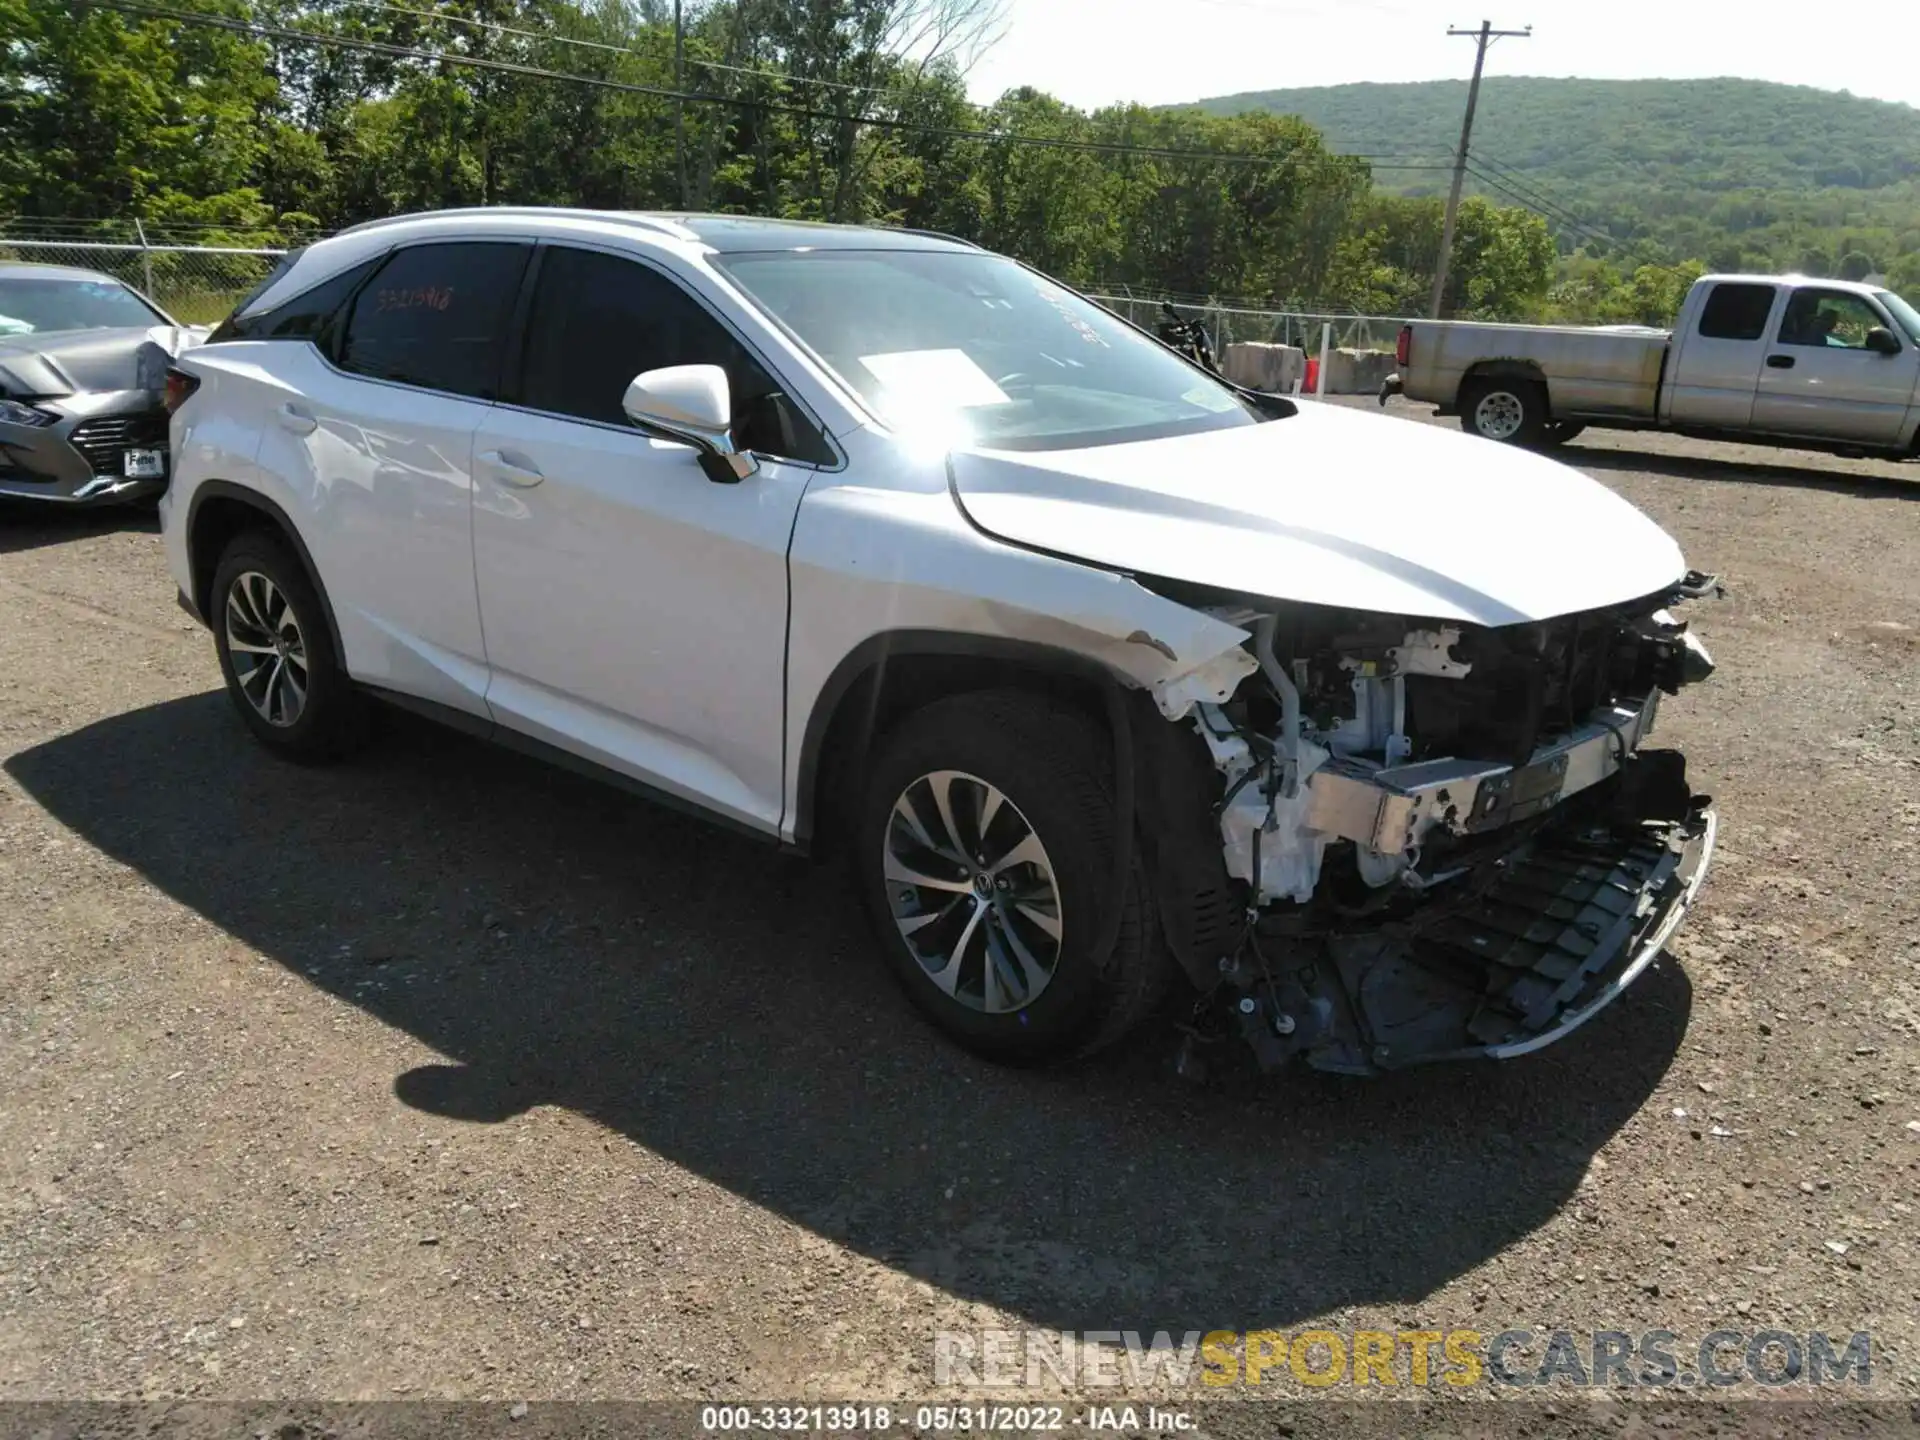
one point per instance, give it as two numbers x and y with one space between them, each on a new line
1357 372
1260 366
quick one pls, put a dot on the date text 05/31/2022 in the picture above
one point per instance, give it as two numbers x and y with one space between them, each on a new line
936 1419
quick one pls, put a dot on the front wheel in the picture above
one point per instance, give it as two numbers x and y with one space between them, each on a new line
1513 412
984 851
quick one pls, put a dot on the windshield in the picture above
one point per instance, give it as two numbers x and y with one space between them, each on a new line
1908 317
970 348
31 305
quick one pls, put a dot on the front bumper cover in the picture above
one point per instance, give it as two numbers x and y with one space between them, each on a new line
80 459
1563 926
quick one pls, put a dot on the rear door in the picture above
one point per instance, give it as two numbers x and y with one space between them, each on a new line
1716 356
372 425
1820 379
636 611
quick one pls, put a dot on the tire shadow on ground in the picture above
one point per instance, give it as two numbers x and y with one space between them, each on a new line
1745 472
719 1004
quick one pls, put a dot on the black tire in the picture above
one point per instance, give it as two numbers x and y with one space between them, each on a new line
331 718
1488 407
1055 771
1559 432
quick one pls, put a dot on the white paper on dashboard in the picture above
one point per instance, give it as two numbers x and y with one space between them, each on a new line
948 378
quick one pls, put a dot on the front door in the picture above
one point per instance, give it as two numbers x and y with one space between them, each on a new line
635 611
1820 380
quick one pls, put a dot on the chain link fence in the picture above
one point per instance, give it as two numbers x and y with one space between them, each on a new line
196 283
198 279
1228 325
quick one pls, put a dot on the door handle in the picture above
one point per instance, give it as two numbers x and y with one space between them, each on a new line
292 417
513 473
1779 362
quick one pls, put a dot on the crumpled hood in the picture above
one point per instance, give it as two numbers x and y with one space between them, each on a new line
70 362
1333 507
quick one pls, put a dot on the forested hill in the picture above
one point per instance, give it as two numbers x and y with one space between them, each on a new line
1729 171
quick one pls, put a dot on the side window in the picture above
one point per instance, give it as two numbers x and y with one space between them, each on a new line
436 316
1828 319
1736 312
597 321
307 316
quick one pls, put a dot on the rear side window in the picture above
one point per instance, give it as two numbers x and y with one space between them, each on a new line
307 316
436 316
597 321
1737 312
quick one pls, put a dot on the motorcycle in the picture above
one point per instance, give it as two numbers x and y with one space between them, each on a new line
1189 337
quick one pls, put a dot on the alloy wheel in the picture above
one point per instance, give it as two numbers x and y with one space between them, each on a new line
973 892
268 649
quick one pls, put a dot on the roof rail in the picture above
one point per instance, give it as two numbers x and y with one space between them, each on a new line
658 224
933 235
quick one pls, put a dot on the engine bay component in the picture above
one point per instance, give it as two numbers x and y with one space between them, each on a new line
1449 838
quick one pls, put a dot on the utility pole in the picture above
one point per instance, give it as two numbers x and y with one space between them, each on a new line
679 104
1485 36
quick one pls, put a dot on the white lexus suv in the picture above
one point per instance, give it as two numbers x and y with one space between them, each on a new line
1105 677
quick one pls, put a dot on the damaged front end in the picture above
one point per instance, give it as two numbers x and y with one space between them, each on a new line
1427 841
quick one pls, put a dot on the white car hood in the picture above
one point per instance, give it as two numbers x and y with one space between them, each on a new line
1332 507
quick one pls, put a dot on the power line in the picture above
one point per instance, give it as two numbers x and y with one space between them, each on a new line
494 27
1012 137
1535 201
1514 186
1579 227
1626 252
1526 186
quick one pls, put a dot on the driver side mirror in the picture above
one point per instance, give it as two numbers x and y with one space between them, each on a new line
1882 341
693 405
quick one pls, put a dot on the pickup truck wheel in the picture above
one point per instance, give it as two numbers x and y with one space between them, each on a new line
270 632
984 854
1513 412
1559 432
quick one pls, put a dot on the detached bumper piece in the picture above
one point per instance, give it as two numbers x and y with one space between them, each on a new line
1569 921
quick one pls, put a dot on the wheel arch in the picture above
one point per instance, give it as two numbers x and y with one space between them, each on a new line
1510 368
889 675
218 512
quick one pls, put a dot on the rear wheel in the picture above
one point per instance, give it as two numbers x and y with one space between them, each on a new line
278 659
1514 412
1559 432
984 852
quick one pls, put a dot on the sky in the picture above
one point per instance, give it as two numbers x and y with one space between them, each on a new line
1097 52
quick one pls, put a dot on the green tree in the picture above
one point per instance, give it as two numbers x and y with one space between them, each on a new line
1857 265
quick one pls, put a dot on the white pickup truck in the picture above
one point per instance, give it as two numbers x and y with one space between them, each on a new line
1777 360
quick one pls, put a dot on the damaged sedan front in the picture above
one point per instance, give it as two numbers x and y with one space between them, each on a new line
83 363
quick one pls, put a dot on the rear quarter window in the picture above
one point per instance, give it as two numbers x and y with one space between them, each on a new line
307 316
436 316
1736 312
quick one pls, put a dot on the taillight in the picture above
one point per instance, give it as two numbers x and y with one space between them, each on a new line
179 386
1405 348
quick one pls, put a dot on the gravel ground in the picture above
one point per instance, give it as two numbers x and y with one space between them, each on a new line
446 1074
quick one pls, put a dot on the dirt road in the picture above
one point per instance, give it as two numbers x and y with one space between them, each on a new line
446 1074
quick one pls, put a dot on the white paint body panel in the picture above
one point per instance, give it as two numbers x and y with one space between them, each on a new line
635 611
1334 507
382 488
